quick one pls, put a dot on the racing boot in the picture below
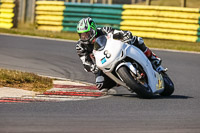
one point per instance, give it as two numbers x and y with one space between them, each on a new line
100 84
103 82
155 60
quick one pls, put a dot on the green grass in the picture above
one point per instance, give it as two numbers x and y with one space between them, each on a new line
174 45
152 43
177 3
24 80
33 32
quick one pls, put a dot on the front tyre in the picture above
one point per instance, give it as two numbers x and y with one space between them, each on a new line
142 90
169 86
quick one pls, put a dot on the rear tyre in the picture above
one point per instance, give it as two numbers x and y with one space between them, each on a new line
169 86
142 90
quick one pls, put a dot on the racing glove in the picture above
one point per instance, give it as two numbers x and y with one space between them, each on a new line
107 30
127 37
124 36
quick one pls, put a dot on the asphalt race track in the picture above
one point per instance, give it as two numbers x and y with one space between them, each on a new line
121 113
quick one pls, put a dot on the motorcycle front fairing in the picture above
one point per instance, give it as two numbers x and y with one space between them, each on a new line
109 54
112 51
155 80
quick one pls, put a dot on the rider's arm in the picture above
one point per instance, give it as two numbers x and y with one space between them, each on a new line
125 36
84 55
107 30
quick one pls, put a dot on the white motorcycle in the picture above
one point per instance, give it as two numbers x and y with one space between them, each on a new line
129 67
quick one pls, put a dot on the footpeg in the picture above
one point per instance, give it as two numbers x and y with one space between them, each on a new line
161 69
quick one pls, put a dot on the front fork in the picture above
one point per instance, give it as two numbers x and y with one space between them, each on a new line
119 80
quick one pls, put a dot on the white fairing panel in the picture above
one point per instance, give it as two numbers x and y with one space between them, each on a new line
110 55
139 56
116 50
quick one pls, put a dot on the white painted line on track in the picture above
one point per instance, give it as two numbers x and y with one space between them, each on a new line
65 40
175 51
65 79
38 37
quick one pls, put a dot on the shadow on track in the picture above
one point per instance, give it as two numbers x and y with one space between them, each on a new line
172 97
155 97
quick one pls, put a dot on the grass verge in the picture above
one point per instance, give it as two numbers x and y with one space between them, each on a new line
173 45
24 80
175 3
152 43
33 32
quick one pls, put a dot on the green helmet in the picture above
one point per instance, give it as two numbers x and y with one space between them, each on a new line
86 29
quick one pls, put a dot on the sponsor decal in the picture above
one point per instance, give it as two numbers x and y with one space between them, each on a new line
103 60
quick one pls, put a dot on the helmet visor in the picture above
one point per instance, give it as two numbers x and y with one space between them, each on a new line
85 36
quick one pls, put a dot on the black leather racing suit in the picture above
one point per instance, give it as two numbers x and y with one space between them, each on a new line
84 50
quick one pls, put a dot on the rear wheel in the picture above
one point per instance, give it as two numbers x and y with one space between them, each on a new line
169 86
140 87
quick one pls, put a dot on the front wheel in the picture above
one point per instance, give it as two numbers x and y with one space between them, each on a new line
169 86
141 89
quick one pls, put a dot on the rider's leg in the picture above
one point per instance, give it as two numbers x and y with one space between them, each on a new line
155 60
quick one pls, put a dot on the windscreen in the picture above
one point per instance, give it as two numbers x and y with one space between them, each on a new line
100 43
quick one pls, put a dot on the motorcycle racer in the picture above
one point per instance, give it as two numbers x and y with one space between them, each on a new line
88 32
